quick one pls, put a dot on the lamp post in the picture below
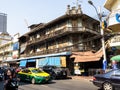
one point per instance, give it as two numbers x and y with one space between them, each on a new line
102 33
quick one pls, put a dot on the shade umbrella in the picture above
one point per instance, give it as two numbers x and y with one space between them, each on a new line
115 58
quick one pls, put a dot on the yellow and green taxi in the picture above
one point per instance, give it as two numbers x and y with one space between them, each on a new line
34 75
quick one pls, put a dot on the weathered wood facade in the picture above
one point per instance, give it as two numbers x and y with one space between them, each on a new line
72 32
69 32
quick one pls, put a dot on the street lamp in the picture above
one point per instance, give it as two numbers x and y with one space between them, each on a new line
102 33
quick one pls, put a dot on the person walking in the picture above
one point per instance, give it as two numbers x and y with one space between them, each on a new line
9 77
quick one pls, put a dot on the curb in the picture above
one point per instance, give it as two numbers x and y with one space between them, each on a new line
82 77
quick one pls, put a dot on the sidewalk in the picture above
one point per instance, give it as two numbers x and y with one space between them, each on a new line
82 77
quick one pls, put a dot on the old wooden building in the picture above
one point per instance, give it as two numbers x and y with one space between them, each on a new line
61 39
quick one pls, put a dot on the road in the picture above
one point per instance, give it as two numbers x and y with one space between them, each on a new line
67 84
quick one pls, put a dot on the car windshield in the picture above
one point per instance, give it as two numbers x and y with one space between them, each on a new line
36 71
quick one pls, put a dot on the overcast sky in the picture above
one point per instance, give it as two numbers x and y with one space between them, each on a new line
23 13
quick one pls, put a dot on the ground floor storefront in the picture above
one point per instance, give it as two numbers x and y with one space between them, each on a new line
76 67
88 68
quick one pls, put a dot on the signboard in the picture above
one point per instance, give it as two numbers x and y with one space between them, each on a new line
117 17
16 46
63 61
15 55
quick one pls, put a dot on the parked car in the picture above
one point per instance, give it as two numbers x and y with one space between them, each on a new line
107 81
55 72
34 75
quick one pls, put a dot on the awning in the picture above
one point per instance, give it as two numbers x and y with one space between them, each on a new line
115 58
31 60
40 56
86 59
87 56
23 63
50 61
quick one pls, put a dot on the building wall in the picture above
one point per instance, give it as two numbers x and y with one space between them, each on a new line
116 5
6 51
113 20
3 23
68 33
4 38
15 53
9 50
73 24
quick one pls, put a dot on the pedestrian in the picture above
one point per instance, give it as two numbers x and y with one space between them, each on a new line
9 77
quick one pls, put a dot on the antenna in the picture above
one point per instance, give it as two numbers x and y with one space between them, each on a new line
26 23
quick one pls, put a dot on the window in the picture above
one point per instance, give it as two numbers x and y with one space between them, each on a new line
36 71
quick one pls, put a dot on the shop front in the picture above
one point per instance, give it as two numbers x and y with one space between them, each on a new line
58 59
87 63
28 63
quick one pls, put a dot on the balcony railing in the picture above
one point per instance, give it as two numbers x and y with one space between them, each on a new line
61 32
73 48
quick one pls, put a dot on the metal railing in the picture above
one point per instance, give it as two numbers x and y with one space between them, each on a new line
73 48
60 32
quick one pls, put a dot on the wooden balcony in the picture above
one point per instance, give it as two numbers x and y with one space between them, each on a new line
58 50
61 32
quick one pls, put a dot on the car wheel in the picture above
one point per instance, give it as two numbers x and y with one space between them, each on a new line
33 81
107 86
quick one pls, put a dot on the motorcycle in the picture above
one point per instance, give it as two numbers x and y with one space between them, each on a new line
12 84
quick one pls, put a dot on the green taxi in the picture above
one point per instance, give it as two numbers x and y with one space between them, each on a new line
34 75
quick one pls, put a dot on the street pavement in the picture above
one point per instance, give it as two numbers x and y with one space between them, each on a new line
60 85
72 83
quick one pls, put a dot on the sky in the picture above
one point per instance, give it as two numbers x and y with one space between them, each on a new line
23 13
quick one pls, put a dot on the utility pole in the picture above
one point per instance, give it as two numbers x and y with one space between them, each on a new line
102 33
